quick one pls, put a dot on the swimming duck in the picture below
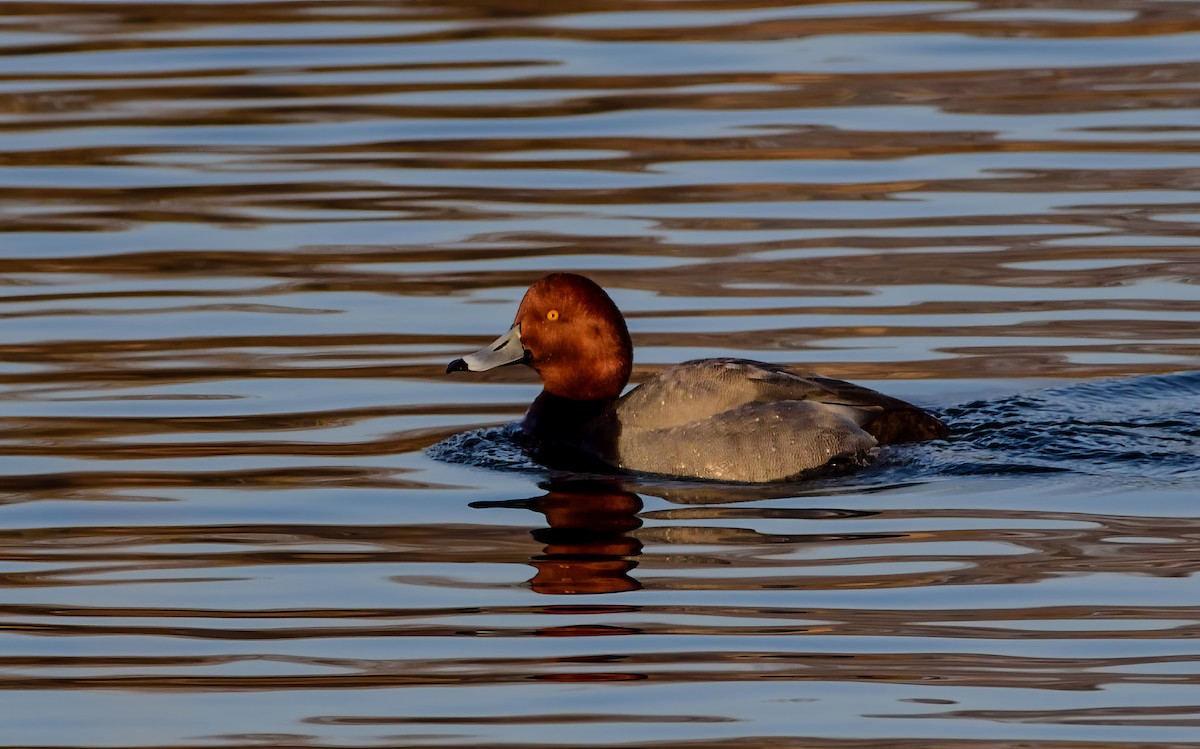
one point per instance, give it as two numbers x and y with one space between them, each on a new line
723 419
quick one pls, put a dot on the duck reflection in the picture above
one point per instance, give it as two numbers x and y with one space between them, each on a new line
587 547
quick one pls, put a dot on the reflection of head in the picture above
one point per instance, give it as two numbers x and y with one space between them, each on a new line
586 547
596 507
571 575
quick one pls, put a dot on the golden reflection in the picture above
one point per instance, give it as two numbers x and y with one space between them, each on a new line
587 546
241 238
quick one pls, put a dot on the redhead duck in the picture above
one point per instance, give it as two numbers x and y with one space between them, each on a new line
722 419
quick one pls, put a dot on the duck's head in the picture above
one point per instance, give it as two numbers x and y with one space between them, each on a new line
571 333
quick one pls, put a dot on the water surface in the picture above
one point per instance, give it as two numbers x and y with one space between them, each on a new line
241 241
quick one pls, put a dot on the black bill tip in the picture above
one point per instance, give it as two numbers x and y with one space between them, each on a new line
458 365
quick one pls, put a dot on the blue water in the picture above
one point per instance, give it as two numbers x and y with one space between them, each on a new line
241 504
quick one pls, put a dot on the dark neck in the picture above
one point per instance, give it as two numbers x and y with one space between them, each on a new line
551 414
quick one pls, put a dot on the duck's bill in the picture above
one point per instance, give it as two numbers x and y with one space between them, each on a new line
506 349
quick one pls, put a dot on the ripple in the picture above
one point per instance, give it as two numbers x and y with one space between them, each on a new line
241 505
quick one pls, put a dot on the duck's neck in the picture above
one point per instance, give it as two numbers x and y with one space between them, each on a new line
553 416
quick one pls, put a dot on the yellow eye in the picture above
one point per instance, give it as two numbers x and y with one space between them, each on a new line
552 315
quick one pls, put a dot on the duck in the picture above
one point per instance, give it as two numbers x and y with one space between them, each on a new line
720 419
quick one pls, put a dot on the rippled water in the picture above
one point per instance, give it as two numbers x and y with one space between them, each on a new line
241 240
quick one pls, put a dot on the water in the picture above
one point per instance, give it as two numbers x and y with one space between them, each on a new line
241 241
